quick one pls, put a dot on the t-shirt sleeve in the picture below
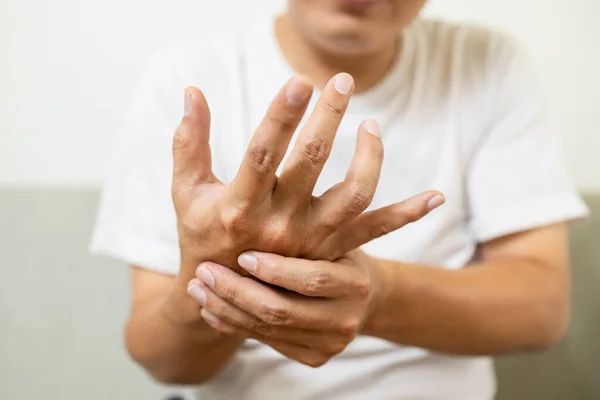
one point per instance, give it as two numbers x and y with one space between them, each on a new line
136 218
517 178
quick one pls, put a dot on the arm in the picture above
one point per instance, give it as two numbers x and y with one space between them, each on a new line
165 335
515 299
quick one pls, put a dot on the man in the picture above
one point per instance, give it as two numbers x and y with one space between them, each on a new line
244 282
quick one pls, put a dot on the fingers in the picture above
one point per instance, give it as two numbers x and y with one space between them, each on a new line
256 176
216 311
374 224
311 355
314 143
308 278
191 149
229 319
347 200
265 303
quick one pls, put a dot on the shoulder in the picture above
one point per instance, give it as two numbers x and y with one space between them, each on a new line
468 57
474 75
470 64
468 44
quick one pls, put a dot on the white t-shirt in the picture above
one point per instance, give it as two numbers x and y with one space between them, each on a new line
459 112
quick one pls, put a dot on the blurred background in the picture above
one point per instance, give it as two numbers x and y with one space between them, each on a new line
67 70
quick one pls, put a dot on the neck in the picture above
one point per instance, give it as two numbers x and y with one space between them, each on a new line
319 65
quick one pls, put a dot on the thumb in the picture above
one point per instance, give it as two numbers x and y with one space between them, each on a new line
192 163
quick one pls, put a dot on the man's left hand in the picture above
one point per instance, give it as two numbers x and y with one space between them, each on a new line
308 311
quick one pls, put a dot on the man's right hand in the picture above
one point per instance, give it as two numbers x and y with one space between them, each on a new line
259 210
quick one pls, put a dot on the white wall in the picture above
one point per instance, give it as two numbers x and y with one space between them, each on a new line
67 68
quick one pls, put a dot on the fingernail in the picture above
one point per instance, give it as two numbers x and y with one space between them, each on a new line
205 276
197 293
209 317
248 261
298 91
343 83
187 103
372 127
436 202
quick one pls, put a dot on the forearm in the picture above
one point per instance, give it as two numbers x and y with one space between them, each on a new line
167 336
496 307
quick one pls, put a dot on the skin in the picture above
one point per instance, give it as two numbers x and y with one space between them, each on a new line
185 329
516 299
257 210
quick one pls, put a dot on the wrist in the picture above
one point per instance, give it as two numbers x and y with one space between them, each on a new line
381 277
390 299
179 307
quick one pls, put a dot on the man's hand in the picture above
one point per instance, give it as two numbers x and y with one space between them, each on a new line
258 210
515 299
312 311
278 214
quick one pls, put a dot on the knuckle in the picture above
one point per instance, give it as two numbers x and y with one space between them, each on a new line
381 229
363 287
330 108
217 308
234 219
190 222
316 360
262 159
229 294
181 138
278 240
349 328
359 198
315 150
279 233
327 226
275 276
336 347
317 282
275 314
262 328
285 121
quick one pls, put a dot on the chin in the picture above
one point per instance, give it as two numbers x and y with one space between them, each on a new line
343 44
353 26
347 36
